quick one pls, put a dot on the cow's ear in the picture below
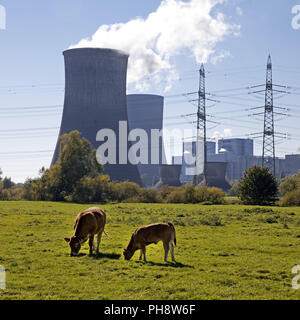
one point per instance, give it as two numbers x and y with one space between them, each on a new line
67 239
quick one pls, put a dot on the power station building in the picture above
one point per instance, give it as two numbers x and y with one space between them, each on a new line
95 99
169 176
145 112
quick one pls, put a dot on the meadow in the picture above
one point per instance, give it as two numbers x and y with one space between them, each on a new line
223 252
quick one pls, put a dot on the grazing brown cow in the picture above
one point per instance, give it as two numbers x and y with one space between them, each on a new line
153 233
88 223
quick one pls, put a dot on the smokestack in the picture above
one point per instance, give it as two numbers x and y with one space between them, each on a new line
95 99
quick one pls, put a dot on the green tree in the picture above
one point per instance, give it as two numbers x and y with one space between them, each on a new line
76 160
258 187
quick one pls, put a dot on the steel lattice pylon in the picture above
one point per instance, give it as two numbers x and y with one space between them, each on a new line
268 156
201 152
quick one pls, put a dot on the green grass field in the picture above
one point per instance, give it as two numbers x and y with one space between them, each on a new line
223 252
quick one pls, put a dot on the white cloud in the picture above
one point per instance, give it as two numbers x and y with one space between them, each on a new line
239 11
220 135
219 57
175 26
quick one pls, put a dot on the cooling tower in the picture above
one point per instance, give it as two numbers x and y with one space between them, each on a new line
169 176
216 176
146 112
95 99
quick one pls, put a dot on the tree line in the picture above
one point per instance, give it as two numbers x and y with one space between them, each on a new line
78 177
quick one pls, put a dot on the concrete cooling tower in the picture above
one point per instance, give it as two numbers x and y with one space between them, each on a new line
95 99
216 176
169 176
146 112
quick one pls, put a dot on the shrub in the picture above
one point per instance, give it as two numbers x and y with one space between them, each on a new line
175 196
165 191
233 192
212 195
258 187
149 196
125 190
190 194
290 199
288 184
91 189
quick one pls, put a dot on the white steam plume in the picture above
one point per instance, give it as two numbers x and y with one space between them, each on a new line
175 26
227 133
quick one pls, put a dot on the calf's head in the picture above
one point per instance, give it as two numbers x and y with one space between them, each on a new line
75 245
128 254
130 250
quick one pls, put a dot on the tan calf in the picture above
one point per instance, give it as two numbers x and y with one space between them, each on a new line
88 223
153 233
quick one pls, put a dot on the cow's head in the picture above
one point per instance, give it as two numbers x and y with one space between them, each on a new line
75 245
130 250
128 254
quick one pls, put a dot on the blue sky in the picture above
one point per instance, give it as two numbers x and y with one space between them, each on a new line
32 71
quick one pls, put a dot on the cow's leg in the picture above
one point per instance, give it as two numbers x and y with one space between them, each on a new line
98 241
91 244
166 247
141 254
144 253
172 250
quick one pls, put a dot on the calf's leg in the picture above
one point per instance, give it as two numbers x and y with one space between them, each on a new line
141 254
166 247
91 244
98 241
172 250
144 253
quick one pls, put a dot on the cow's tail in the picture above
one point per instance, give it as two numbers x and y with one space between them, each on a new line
106 234
173 228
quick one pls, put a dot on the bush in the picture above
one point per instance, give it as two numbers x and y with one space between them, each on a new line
289 184
149 196
165 191
190 194
212 195
125 190
290 199
233 192
258 187
175 196
88 189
